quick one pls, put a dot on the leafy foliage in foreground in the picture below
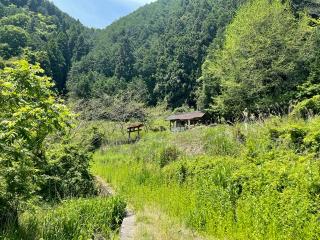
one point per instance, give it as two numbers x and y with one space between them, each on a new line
248 181
30 114
73 219
66 174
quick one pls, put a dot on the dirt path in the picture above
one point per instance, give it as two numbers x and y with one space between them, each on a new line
154 224
128 226
150 223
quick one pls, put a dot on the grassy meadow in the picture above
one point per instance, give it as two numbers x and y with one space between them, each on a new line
248 181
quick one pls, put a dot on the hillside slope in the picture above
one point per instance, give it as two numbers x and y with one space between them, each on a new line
40 32
269 60
159 48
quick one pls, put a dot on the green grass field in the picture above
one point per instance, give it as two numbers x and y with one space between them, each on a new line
248 181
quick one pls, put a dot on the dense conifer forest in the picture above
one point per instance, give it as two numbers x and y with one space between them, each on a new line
40 32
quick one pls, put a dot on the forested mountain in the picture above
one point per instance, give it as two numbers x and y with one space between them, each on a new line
156 52
40 32
222 55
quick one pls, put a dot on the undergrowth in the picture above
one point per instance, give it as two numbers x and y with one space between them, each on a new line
73 219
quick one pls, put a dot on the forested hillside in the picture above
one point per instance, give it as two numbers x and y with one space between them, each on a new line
268 61
156 52
261 62
38 31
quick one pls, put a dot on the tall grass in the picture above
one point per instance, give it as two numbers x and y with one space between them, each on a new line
253 181
73 219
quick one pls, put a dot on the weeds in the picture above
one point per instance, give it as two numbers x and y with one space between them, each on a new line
73 219
250 183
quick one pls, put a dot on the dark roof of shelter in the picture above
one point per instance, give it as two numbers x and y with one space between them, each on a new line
186 116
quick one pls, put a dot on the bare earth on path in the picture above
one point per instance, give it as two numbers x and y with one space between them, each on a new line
128 227
149 223
153 224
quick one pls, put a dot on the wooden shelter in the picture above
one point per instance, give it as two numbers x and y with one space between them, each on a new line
137 127
184 121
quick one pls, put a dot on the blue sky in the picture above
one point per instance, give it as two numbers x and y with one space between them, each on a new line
99 13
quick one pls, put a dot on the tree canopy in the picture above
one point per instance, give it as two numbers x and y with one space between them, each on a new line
162 44
261 62
40 32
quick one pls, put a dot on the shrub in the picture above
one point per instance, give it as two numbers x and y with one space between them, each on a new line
307 108
297 135
67 174
29 113
312 141
274 134
168 155
96 140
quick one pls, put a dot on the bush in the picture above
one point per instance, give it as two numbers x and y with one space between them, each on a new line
30 112
307 108
297 135
67 174
96 140
274 134
168 155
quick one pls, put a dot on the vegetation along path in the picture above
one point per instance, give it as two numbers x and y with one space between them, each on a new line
128 226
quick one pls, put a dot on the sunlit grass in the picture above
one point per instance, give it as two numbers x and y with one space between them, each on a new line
73 219
244 184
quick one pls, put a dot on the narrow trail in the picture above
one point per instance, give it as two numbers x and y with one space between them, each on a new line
128 226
